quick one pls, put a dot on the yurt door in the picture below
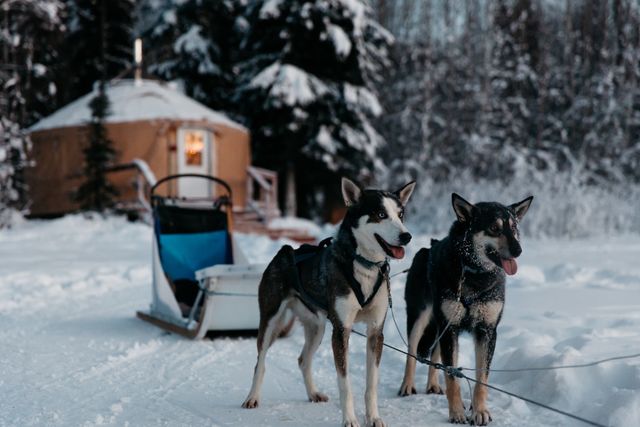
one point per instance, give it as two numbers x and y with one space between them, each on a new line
194 156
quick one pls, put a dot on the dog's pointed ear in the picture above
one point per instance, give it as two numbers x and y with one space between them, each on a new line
351 192
462 208
522 207
405 192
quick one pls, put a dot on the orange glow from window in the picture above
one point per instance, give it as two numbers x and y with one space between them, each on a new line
193 147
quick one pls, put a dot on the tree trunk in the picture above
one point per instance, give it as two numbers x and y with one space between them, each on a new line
290 204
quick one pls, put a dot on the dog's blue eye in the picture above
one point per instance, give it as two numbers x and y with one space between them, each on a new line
382 215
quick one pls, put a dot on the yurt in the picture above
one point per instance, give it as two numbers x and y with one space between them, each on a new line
148 120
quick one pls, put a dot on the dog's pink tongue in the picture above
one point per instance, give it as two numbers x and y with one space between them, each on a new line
397 251
510 266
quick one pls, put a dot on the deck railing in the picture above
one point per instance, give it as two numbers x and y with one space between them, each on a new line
262 192
144 180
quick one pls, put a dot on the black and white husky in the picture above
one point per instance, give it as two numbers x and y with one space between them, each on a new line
344 283
459 285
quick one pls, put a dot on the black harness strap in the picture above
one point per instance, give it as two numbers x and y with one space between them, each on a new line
383 273
306 252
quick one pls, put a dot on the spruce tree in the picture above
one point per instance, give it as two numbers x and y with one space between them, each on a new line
28 92
88 22
307 87
14 145
513 94
194 43
97 193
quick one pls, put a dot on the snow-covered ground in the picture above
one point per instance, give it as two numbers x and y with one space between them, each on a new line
73 353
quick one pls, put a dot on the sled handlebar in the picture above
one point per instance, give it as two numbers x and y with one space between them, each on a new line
193 175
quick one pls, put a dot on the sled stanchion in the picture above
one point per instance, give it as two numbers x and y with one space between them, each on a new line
194 308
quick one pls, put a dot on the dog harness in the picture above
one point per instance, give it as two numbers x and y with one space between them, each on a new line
467 300
306 252
383 273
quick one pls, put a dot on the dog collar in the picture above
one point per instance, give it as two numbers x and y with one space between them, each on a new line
370 264
472 270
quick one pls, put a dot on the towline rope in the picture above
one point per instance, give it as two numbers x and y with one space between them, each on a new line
458 373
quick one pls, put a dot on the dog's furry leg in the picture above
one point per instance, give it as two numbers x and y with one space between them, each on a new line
485 342
340 343
267 333
313 333
449 353
375 340
433 384
408 386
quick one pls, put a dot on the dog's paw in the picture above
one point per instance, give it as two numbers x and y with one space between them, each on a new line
250 403
318 397
480 417
376 422
407 389
456 416
434 389
350 422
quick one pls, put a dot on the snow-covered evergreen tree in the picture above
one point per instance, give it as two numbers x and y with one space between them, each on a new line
434 103
28 63
308 90
14 145
96 193
408 104
513 92
27 91
194 43
94 25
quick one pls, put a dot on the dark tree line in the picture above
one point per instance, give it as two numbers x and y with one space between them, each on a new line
503 90
499 90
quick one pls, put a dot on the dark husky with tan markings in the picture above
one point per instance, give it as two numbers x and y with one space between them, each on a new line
344 283
459 285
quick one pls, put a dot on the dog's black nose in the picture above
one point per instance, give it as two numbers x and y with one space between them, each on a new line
404 238
515 249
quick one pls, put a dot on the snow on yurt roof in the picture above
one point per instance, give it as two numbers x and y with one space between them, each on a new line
134 101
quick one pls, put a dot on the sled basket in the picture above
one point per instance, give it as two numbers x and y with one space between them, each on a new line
200 279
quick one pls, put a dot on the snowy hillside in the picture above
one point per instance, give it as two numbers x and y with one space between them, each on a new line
73 353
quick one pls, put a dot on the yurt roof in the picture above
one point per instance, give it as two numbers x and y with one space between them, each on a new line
133 101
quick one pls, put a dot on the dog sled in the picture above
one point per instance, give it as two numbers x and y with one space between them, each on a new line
201 280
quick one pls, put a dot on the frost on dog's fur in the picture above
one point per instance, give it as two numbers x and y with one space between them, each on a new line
460 284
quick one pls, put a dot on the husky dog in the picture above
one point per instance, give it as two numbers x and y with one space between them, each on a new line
345 283
459 285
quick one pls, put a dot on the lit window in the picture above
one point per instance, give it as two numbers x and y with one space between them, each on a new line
193 147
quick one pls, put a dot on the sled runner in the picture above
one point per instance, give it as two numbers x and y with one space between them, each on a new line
201 280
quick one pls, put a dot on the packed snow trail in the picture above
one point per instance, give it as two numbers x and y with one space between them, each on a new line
73 353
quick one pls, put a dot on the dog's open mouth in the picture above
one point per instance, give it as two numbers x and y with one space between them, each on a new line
393 251
509 265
